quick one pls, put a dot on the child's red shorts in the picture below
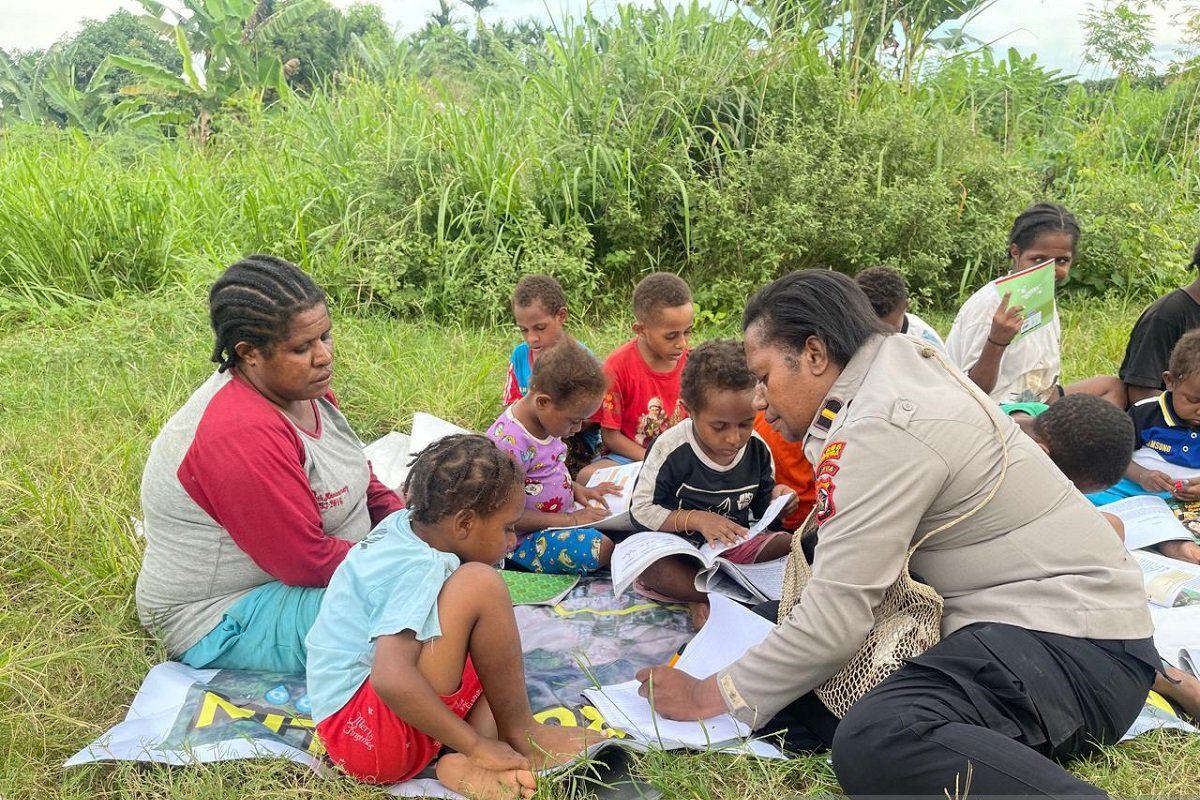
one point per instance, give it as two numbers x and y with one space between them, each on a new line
367 740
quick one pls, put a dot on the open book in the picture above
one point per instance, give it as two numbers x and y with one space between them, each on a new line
1148 521
730 631
747 583
619 520
1170 583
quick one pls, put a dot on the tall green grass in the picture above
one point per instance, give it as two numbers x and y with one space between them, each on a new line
660 139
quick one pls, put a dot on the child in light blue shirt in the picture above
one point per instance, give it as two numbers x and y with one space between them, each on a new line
416 628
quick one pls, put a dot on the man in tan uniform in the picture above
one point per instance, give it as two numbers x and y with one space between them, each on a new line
1046 646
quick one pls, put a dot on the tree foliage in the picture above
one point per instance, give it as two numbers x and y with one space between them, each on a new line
327 40
1120 36
126 34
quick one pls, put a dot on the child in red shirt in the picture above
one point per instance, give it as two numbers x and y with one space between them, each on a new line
643 398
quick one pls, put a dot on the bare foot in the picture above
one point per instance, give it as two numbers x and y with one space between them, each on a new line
457 773
549 746
698 614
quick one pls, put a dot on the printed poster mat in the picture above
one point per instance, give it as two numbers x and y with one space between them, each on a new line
187 716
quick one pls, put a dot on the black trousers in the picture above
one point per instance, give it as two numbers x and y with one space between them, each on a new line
999 702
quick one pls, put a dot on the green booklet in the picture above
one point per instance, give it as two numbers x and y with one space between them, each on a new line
537 589
1033 289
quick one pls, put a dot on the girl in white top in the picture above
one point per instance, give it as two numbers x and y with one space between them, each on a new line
981 340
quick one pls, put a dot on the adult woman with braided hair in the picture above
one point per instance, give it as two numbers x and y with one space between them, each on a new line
1045 640
256 488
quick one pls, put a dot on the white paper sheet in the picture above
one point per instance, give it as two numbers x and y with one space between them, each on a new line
772 511
427 429
731 630
619 520
1150 459
389 458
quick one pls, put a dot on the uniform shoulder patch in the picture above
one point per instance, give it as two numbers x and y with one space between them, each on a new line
832 451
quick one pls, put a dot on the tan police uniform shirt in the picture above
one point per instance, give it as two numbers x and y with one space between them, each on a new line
902 447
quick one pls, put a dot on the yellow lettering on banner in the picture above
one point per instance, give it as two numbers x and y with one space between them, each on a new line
212 702
208 710
562 714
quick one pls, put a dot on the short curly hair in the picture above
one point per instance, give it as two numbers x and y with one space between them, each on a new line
885 288
657 291
1185 356
541 289
1088 438
716 365
567 371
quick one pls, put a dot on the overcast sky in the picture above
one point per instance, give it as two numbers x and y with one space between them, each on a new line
1050 28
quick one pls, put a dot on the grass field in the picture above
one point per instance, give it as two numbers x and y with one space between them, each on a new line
83 392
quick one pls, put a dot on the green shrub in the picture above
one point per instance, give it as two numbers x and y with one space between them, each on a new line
663 139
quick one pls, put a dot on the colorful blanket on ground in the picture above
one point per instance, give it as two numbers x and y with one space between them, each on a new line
187 716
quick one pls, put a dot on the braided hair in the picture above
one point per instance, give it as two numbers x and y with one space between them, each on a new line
1040 218
464 472
254 301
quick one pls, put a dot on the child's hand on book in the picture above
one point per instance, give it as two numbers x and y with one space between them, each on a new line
588 514
1006 322
1187 491
780 490
594 495
719 530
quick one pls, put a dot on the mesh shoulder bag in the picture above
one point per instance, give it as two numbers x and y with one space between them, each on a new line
908 620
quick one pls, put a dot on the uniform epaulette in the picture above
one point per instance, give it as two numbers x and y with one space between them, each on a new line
828 414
